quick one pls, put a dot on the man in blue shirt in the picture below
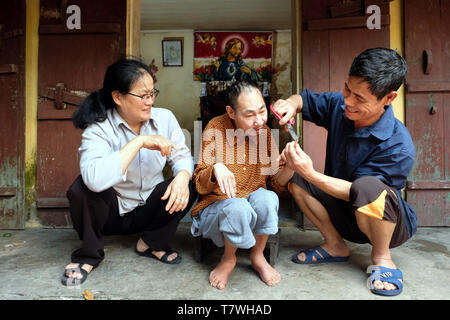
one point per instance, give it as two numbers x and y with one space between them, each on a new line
368 158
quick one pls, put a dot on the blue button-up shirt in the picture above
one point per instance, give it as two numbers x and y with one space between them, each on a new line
384 150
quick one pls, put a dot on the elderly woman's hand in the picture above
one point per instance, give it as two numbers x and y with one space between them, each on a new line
158 142
226 180
177 192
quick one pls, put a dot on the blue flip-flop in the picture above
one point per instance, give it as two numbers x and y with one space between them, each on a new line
314 252
386 275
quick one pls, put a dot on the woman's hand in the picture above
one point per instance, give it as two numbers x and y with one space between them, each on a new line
177 192
157 142
226 180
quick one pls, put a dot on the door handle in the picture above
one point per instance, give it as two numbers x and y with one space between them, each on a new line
433 108
427 58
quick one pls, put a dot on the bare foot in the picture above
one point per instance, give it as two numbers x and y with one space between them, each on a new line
218 278
76 274
141 246
268 274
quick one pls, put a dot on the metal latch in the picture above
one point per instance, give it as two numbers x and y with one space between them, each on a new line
62 97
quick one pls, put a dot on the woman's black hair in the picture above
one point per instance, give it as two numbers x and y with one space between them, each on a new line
384 69
119 76
236 88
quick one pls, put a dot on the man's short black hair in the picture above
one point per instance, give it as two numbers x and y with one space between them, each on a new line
384 69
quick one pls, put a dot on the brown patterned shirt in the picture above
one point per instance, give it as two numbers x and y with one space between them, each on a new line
252 160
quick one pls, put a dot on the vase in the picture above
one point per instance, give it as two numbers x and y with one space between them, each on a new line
265 90
203 92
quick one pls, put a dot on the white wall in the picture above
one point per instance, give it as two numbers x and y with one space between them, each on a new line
180 93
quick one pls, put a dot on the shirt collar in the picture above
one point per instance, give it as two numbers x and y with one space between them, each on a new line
382 129
118 120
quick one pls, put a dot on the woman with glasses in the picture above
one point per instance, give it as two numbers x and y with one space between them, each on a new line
125 145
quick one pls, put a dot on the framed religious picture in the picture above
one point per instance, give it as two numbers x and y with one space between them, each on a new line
232 55
172 52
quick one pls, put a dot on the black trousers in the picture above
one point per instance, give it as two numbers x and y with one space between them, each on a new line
363 191
95 215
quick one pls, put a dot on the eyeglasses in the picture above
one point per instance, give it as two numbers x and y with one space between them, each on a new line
146 97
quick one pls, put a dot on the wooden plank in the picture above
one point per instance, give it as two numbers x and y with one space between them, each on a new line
12 33
8 191
427 86
42 203
429 184
8 68
430 206
67 97
85 28
47 111
336 11
343 23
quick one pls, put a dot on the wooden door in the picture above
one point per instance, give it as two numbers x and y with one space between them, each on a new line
72 63
334 33
12 114
427 51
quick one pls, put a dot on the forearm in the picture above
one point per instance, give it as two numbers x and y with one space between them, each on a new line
283 176
335 187
129 152
297 100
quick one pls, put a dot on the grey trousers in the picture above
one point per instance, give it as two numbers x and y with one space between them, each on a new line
238 219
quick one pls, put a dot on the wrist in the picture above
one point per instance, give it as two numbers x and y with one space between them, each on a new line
313 176
140 141
218 164
185 174
296 101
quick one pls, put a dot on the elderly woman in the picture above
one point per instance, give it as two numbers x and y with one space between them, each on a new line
121 190
239 161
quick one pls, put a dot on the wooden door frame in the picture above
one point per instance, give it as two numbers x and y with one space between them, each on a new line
13 192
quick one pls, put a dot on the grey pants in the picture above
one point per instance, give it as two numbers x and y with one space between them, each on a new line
238 219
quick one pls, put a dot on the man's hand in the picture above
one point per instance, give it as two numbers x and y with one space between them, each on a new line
296 159
226 180
288 108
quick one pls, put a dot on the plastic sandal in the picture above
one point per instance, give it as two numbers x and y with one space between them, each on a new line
314 252
69 281
386 275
